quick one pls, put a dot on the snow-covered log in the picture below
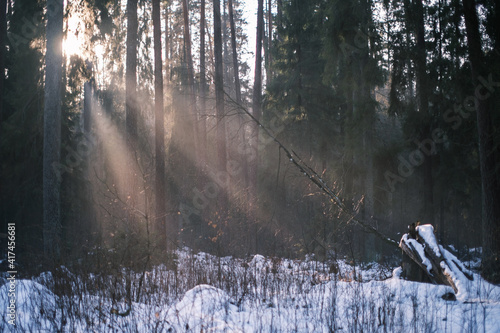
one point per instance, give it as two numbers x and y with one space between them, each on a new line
439 265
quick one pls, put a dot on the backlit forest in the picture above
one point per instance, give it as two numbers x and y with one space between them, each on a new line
288 128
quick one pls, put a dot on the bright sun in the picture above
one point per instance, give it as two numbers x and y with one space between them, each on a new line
73 44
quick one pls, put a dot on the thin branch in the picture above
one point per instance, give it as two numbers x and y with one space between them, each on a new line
314 177
114 191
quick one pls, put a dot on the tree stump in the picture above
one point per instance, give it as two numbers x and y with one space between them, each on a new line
427 261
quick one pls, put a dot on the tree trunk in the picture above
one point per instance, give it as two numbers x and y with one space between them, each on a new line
241 125
369 117
225 40
496 32
187 41
414 21
257 87
203 91
423 103
235 53
279 18
487 151
160 137
131 105
219 100
3 39
269 72
190 80
368 113
88 217
167 43
257 112
88 100
131 116
52 131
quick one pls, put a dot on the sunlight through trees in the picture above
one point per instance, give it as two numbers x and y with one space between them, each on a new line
135 128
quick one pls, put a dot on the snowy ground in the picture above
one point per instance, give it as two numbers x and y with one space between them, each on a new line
211 294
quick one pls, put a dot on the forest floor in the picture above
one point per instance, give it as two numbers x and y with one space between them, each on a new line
205 293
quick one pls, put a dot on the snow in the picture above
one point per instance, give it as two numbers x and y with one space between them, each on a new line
258 261
397 272
452 258
35 307
420 249
467 289
426 231
258 294
204 308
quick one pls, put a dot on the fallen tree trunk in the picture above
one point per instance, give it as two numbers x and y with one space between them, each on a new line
316 179
437 263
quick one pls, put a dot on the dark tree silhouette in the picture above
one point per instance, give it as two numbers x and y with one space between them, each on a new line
52 130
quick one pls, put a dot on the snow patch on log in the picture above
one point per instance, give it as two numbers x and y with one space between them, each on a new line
426 232
460 276
419 248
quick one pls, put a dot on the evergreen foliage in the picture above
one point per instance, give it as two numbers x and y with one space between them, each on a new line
376 96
